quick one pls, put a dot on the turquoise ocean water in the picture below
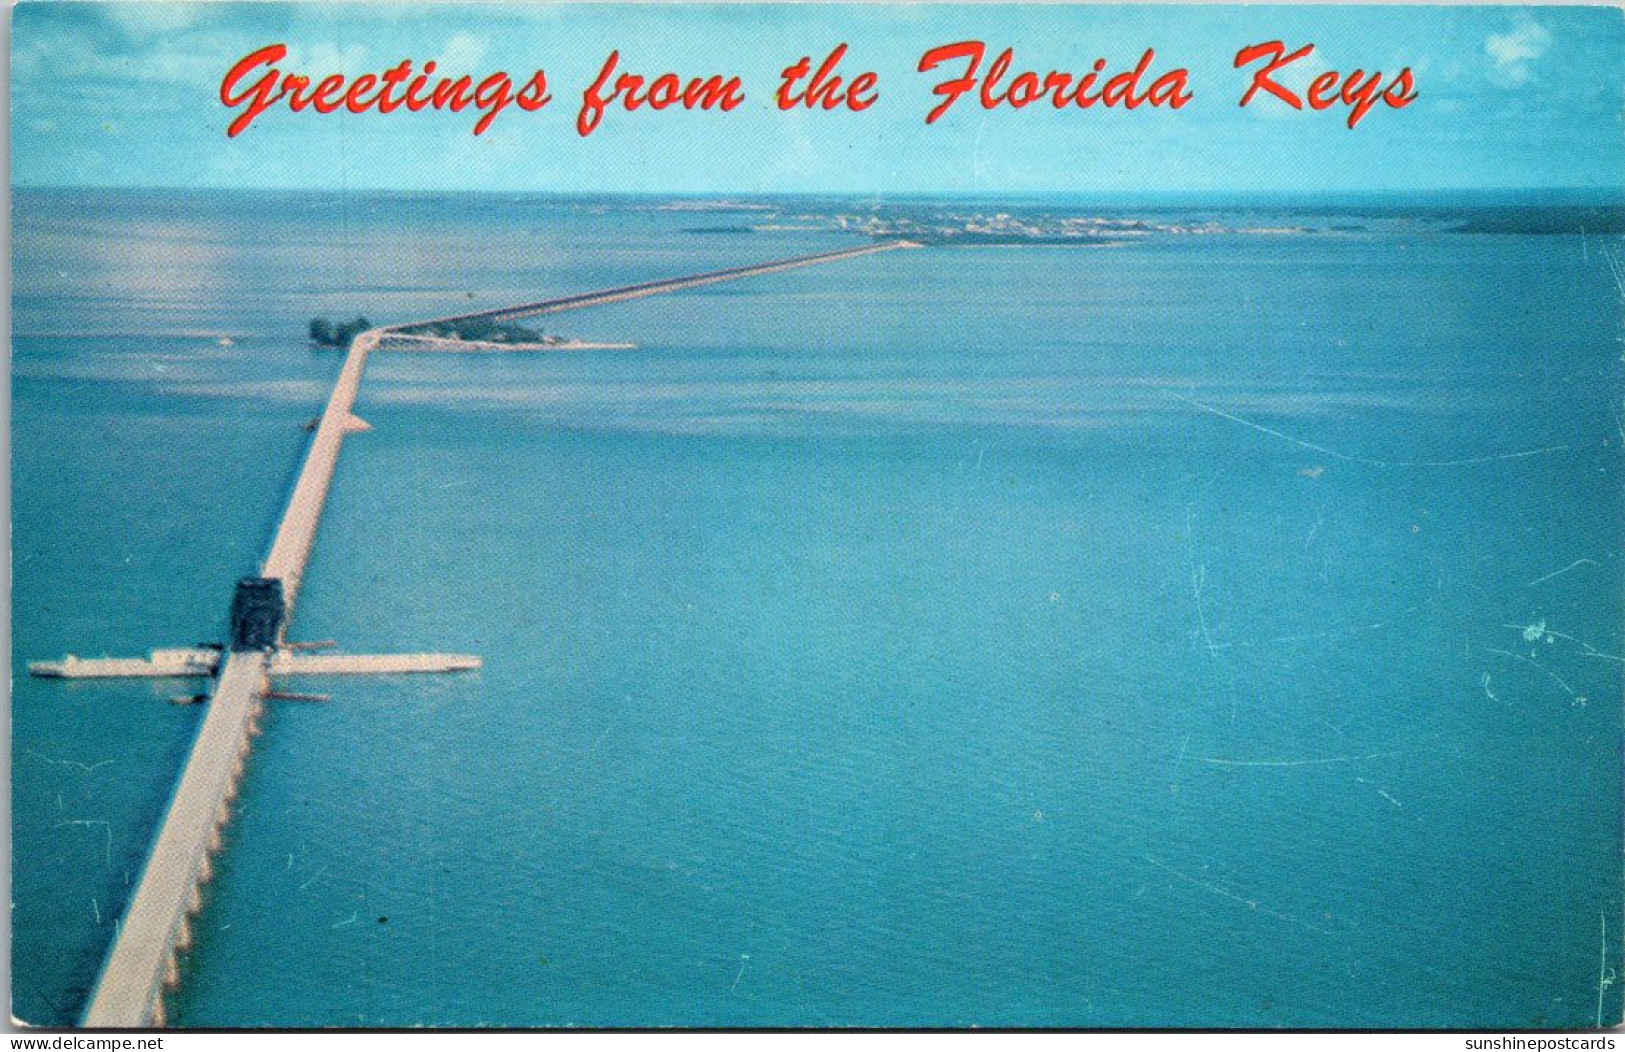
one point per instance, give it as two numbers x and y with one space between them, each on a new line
1158 633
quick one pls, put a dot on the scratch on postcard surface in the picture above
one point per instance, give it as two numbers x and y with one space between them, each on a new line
1385 794
1614 268
1559 573
107 829
1198 581
1606 976
593 751
1308 637
1199 575
313 878
1309 762
86 767
1555 678
1536 632
1252 904
1353 458
1180 759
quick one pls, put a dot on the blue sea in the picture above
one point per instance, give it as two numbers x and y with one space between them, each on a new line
1214 621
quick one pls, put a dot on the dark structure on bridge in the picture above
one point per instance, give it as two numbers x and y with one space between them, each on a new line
257 610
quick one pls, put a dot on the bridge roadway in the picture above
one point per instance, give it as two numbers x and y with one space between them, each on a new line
157 926
651 288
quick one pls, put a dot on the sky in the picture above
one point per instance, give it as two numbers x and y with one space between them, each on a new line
116 93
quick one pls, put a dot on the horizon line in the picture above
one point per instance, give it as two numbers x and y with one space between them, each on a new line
1279 192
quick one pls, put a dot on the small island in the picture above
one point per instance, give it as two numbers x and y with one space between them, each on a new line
473 335
324 333
479 330
466 335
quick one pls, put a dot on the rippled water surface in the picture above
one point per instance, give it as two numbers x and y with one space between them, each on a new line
1216 628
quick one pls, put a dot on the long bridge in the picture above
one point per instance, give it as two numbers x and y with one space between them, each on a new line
651 288
157 925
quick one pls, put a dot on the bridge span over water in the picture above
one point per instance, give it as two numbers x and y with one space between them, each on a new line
157 924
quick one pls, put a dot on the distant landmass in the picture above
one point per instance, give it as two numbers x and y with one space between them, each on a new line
1552 219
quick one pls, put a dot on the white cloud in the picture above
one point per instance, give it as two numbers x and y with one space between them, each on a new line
1513 53
799 158
141 21
324 58
462 52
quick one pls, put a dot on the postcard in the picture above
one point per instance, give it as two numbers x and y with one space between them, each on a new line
817 516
